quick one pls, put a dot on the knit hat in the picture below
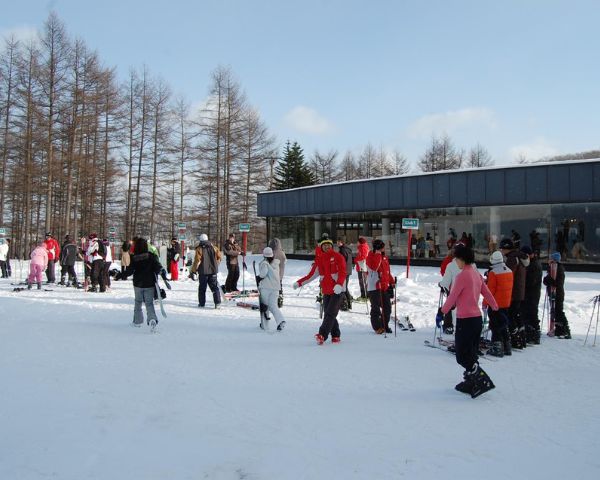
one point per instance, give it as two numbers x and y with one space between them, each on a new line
506 244
203 237
526 249
267 252
496 257
555 257
325 241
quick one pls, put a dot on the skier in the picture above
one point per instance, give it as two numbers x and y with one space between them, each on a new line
451 270
232 251
269 288
500 283
53 249
68 256
347 254
330 267
279 254
465 296
206 263
533 290
561 324
3 258
173 254
144 267
39 263
362 250
95 254
379 281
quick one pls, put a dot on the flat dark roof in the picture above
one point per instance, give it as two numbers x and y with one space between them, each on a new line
545 183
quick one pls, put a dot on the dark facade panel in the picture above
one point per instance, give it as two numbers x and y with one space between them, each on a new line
425 190
582 183
458 190
357 196
558 184
382 198
596 181
441 190
494 188
514 184
536 182
370 192
476 188
410 192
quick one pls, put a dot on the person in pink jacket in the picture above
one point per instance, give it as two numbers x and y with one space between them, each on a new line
468 285
39 263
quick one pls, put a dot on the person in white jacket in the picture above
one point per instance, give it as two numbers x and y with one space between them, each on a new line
4 258
269 288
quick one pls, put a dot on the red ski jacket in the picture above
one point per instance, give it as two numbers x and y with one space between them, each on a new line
331 268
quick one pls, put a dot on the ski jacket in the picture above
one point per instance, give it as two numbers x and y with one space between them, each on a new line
173 252
445 262
206 259
347 254
558 283
362 250
269 273
108 256
39 256
232 251
533 282
330 267
467 287
68 254
279 254
517 262
92 251
379 276
144 267
500 283
53 248
125 258
3 252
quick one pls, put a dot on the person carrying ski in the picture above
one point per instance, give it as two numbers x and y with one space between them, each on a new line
68 256
173 254
53 249
500 283
232 252
206 263
362 250
379 281
467 288
144 267
347 254
269 286
555 285
330 267
279 254
38 263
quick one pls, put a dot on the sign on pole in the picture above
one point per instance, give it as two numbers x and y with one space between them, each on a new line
2 231
244 227
410 224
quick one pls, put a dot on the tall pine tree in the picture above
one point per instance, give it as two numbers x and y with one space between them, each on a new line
292 171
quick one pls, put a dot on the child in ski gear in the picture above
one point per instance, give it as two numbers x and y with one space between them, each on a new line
379 280
269 287
330 267
362 250
206 263
347 254
68 256
279 254
53 249
173 254
39 263
555 285
533 291
232 252
144 267
500 283
467 288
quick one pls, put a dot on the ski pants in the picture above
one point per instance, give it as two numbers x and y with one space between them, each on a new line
498 324
211 282
174 270
514 316
529 313
50 275
106 274
346 293
70 269
381 309
35 273
268 296
233 275
3 268
97 274
362 282
145 296
331 308
466 336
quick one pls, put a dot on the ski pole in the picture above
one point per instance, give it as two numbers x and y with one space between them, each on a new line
381 310
440 303
595 308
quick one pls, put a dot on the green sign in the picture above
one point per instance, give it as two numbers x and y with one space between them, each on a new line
410 224
182 237
181 226
2 231
112 230
244 227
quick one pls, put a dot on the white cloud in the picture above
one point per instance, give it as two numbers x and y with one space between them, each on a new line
307 120
448 122
536 149
23 33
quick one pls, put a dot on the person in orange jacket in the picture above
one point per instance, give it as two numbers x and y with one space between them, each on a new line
330 267
500 282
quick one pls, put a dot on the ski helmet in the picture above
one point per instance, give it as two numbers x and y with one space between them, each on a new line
268 252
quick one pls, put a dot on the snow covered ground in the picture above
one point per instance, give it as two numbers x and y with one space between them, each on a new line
86 396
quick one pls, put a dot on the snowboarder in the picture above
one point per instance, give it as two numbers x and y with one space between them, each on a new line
379 280
269 287
206 263
467 288
68 256
556 293
330 267
500 283
53 249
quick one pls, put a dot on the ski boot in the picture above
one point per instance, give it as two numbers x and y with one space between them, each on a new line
481 381
496 350
28 285
466 386
39 285
320 339
507 344
281 326
335 340
62 281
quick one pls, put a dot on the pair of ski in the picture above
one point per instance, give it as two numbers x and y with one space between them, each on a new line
405 328
449 346
22 289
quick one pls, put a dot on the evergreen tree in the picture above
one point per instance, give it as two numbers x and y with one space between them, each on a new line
292 171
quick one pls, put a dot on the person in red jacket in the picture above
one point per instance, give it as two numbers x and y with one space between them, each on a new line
362 250
330 267
53 249
379 281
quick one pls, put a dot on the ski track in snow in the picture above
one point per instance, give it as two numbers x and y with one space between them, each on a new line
86 395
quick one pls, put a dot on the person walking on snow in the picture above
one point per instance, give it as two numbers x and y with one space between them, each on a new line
362 250
379 282
347 254
269 288
39 263
206 263
96 252
467 288
330 267
279 254
53 249
232 252
4 258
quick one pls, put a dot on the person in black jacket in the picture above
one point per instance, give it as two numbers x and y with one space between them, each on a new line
144 267
232 252
556 293
533 289
347 254
173 254
68 256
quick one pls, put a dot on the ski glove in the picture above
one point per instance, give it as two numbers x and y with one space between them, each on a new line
439 318
168 285
296 286
337 289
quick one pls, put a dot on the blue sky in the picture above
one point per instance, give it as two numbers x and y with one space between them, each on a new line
519 77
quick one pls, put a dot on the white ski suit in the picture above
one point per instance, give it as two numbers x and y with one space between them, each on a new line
269 287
